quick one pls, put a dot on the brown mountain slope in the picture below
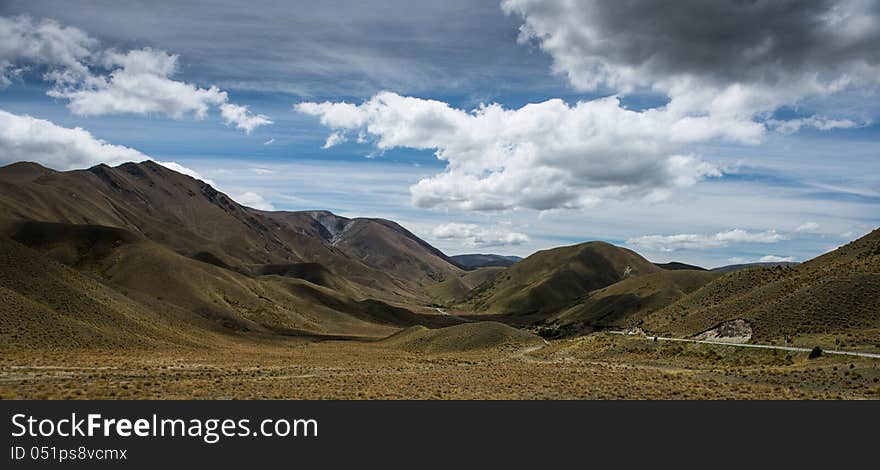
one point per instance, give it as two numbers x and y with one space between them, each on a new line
143 279
457 289
47 305
625 303
836 293
381 244
192 218
550 280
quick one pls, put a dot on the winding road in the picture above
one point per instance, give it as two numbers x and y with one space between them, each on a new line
746 345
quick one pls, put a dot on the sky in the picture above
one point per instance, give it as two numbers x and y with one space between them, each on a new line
709 133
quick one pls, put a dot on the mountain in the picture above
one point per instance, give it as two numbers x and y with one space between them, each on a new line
474 261
101 284
549 280
737 267
141 256
837 293
674 266
378 257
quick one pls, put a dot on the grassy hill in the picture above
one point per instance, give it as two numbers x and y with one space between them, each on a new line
837 293
625 303
460 338
549 280
458 288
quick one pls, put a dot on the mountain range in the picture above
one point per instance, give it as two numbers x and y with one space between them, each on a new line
140 255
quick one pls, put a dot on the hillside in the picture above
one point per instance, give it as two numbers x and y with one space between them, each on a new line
457 289
549 280
678 266
461 338
624 304
836 293
737 267
475 261
190 217
142 279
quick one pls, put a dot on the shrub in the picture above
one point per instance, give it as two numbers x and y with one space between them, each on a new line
816 352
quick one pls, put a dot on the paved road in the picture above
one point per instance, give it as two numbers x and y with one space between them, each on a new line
759 346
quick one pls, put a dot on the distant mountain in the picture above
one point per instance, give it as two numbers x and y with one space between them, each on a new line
837 293
675 266
737 267
551 279
474 261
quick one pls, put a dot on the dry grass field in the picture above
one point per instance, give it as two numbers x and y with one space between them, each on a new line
598 366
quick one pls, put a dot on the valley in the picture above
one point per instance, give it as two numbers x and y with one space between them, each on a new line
136 281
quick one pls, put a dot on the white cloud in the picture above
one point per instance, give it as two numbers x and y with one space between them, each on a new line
542 156
139 81
692 241
25 138
817 122
139 84
44 42
472 235
777 259
269 142
807 227
242 117
334 139
252 199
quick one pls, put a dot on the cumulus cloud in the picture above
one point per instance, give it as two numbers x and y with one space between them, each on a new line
542 156
252 199
728 59
242 117
139 84
777 259
43 42
472 235
692 241
138 81
25 138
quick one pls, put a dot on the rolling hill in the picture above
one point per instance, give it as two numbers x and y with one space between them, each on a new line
550 280
624 304
678 266
836 293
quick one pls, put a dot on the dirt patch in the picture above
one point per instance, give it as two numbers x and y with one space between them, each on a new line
733 331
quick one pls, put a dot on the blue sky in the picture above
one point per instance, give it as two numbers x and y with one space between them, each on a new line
788 167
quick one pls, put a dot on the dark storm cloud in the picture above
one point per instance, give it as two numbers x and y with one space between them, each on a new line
722 40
